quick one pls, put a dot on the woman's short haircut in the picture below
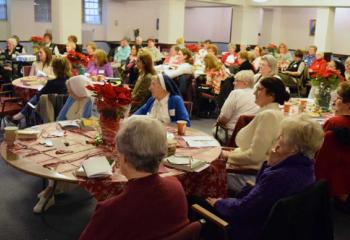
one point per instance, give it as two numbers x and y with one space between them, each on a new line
188 54
214 48
344 91
231 45
272 62
101 57
73 38
143 142
243 55
48 35
298 53
12 41
72 45
304 133
245 76
276 88
61 67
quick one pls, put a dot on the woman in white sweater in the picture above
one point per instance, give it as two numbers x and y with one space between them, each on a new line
257 138
186 64
43 64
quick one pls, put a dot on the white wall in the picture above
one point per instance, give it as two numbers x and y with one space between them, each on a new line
341 36
4 30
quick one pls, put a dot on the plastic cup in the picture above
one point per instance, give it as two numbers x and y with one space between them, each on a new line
302 105
286 107
10 135
181 127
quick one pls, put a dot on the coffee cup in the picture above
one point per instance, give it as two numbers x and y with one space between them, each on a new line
181 127
10 135
286 107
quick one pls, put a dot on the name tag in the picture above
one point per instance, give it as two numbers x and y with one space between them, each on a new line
101 72
172 112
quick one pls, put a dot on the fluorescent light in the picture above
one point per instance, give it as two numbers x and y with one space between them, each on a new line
259 1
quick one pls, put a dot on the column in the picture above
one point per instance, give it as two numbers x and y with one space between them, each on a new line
66 20
324 29
246 25
171 20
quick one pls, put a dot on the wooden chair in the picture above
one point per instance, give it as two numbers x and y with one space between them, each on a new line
223 143
191 231
9 105
189 106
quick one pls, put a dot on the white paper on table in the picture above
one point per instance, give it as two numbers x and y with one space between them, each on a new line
40 74
201 141
97 167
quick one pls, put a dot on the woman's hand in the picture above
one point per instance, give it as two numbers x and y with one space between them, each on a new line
212 201
225 154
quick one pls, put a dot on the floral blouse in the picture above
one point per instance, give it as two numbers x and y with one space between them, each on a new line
214 78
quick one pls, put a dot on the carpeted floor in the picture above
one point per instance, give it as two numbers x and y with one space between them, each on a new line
71 213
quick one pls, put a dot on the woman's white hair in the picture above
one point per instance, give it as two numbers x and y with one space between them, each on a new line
12 41
347 61
143 142
302 133
78 85
246 76
272 62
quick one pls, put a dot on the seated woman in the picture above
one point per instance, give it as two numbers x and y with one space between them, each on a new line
318 65
268 68
141 144
173 58
141 91
335 167
43 64
283 57
62 70
79 102
70 46
289 169
243 61
215 73
90 50
185 64
230 59
100 67
258 52
256 139
241 101
78 105
8 56
166 105
347 69
131 70
294 70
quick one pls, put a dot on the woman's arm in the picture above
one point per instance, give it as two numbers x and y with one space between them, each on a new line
181 111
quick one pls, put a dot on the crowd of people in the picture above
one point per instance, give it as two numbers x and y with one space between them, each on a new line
281 149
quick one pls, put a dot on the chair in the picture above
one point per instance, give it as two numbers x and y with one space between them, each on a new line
49 107
225 143
184 82
26 70
303 216
189 232
9 106
242 121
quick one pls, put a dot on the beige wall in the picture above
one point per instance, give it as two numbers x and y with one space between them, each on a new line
341 36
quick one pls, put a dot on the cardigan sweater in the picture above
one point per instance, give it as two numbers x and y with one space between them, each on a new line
86 114
248 213
151 207
105 70
177 109
255 140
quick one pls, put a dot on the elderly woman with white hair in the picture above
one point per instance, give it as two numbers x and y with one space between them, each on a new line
151 206
268 68
79 102
318 65
166 103
241 101
9 55
289 169
347 69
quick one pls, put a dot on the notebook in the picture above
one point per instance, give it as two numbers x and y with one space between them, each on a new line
201 141
97 167
185 163
28 134
69 124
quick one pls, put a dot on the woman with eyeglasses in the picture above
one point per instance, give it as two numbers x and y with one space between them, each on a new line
141 91
256 139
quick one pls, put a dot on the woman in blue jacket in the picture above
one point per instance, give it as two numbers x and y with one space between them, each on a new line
166 104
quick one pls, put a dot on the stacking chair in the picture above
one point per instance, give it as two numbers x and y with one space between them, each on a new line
9 104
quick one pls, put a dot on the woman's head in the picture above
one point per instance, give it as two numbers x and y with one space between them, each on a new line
319 55
47 37
231 48
258 51
61 67
145 62
70 46
298 55
211 62
142 145
244 79
174 50
342 102
271 90
282 48
91 48
300 134
185 56
72 38
242 57
100 57
347 65
134 50
331 65
213 49
76 87
11 43
268 66
45 55
150 42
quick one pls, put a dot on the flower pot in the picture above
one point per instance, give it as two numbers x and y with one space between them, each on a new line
109 130
323 98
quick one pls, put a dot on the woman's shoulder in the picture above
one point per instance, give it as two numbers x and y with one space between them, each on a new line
339 121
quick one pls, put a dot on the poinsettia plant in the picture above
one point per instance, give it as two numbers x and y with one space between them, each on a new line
112 101
76 58
37 39
193 47
327 78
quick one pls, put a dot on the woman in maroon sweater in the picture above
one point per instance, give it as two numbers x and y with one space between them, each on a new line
333 161
151 206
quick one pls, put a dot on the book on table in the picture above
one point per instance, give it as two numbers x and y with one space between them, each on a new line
201 141
69 124
186 163
97 167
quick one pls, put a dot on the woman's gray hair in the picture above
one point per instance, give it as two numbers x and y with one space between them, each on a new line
272 62
303 133
246 76
347 61
143 141
231 45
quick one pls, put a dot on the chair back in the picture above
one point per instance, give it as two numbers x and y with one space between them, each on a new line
26 70
242 121
304 216
332 162
50 105
225 90
184 83
189 232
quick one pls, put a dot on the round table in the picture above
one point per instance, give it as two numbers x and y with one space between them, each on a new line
33 158
27 89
